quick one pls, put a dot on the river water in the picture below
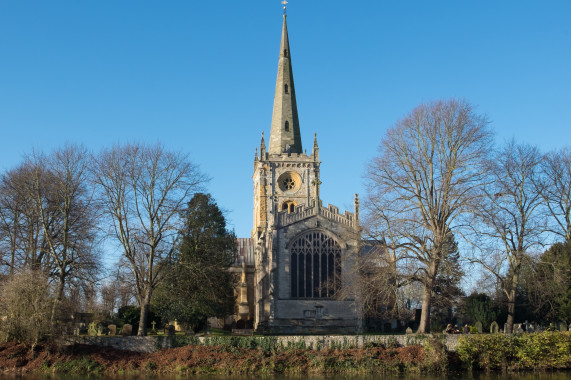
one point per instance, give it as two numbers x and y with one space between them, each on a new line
463 376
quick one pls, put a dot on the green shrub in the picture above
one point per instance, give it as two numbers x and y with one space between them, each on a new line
435 355
547 350
183 340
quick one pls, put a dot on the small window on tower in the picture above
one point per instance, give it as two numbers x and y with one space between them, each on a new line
287 126
288 206
285 88
285 52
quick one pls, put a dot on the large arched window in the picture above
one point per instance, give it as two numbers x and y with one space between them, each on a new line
315 266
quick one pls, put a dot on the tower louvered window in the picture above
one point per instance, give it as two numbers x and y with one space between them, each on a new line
315 266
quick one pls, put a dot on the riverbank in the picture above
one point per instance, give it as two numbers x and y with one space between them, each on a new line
263 355
154 343
221 360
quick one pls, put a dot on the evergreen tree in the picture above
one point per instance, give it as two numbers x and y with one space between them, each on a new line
198 284
479 307
447 292
547 284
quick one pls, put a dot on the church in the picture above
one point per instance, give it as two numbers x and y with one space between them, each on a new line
301 255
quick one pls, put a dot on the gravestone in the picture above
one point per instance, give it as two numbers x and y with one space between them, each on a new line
154 331
408 330
494 328
479 327
112 329
100 330
127 329
92 331
562 326
506 328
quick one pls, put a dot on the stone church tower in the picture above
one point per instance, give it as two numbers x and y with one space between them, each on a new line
303 252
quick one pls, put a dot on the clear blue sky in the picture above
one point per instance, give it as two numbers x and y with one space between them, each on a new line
199 77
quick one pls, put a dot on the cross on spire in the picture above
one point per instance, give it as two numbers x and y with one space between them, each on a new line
284 2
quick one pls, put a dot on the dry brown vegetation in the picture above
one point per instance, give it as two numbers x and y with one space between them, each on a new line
18 358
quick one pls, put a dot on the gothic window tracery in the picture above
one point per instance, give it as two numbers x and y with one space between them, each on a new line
315 266
288 183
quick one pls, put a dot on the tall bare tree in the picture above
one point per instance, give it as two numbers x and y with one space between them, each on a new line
48 218
143 190
510 217
21 239
555 189
425 177
11 215
59 186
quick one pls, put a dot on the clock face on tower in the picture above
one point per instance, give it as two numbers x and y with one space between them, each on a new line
289 182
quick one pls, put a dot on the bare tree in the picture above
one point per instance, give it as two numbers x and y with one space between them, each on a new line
143 190
510 218
21 239
47 219
26 303
11 215
375 283
555 189
59 187
425 177
117 291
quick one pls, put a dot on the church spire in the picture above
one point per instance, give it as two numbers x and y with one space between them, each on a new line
285 135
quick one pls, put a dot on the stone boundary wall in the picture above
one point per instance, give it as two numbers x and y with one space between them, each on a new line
127 343
155 343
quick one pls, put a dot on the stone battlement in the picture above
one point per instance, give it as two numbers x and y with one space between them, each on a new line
330 212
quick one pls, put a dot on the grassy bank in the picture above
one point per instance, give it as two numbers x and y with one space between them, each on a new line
263 355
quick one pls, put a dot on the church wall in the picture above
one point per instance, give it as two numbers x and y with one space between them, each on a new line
346 236
314 315
312 309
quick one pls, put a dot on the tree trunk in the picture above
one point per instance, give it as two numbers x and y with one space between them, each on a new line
424 325
511 312
144 319
58 299
511 304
